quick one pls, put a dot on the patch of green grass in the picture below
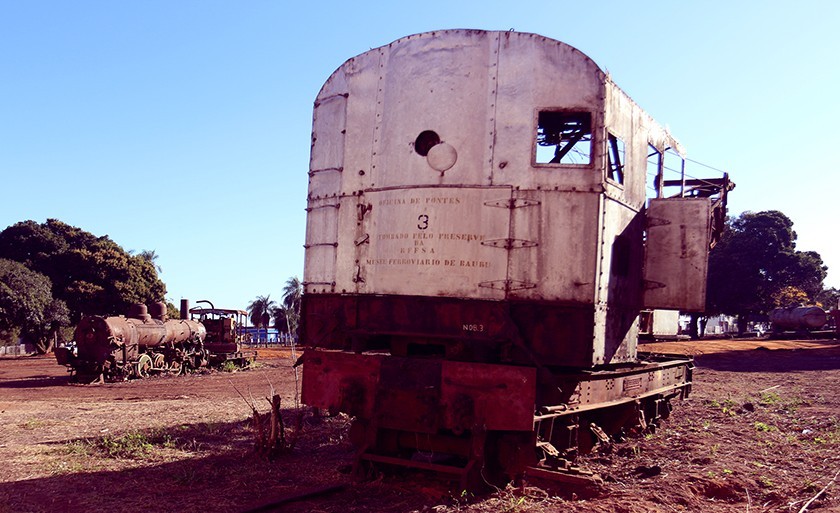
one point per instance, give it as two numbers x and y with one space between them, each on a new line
76 448
766 482
770 398
65 467
727 406
774 400
766 428
131 445
229 366
33 424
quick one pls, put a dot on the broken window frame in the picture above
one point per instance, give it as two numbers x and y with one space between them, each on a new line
654 172
578 142
616 159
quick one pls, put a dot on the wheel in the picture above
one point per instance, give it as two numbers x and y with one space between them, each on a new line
175 367
159 363
144 365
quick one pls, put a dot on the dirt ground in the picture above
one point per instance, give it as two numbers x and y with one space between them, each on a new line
760 432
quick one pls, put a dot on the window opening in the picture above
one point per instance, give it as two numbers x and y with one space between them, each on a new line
564 137
654 164
673 168
615 157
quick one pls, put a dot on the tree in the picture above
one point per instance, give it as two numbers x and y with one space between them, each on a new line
790 296
756 264
151 256
278 313
92 275
292 293
260 310
27 306
828 298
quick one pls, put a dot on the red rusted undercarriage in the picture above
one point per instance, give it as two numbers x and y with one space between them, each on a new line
417 405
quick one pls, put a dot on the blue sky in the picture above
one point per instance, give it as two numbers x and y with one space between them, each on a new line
183 126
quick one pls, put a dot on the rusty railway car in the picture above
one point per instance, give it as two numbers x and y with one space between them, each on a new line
479 245
146 342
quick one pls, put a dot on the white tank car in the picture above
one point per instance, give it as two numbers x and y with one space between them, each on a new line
477 207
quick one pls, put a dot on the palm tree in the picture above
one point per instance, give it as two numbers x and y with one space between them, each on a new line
278 313
260 312
151 256
292 292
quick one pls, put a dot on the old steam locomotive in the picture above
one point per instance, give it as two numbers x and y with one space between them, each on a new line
479 245
145 342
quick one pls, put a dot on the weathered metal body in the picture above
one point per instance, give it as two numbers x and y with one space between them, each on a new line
798 318
478 248
224 335
143 343
113 348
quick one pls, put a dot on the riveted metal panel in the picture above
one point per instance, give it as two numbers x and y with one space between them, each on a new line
677 253
534 74
325 183
619 283
436 242
564 226
426 85
328 129
321 244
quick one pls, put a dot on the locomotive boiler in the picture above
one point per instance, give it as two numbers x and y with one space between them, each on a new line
479 245
136 345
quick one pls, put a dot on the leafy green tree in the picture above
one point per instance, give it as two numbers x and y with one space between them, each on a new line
790 296
755 262
828 298
27 306
172 311
92 275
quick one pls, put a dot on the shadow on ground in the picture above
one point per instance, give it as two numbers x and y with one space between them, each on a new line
217 470
777 360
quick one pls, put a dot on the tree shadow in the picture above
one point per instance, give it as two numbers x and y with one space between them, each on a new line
216 470
772 360
39 381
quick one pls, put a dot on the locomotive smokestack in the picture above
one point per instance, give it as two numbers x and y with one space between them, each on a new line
185 308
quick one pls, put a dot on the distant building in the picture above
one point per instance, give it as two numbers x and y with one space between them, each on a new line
255 335
21 348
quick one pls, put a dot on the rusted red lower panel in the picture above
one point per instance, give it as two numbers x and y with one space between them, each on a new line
465 329
421 395
342 382
502 396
